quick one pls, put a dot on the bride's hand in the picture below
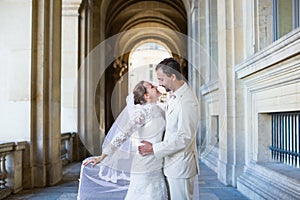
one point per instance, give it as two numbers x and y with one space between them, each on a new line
94 160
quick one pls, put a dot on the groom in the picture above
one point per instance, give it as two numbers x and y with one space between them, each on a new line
178 147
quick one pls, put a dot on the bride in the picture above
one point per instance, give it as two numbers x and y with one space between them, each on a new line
142 119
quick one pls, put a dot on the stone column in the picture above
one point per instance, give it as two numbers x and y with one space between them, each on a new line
226 58
195 56
89 36
46 164
93 63
81 82
232 134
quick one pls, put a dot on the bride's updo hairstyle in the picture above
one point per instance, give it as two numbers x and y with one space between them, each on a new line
138 93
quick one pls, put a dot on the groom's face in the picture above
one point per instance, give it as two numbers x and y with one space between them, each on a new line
164 80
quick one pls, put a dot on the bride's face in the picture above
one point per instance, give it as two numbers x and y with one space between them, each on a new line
152 92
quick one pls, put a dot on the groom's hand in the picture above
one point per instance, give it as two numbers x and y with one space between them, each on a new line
146 148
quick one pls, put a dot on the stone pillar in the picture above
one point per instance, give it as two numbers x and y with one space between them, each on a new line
226 154
232 133
81 82
204 76
46 164
194 57
89 36
93 64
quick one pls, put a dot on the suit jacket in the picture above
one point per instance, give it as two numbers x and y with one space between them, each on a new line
179 148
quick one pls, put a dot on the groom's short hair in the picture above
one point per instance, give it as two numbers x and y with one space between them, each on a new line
170 66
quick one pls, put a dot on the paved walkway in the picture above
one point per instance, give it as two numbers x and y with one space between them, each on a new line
209 188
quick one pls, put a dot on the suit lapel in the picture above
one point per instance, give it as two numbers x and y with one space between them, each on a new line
173 102
170 109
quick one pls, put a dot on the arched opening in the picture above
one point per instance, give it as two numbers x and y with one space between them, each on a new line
142 62
137 23
121 27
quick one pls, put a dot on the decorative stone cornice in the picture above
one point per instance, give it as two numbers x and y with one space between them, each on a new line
285 73
209 87
12 146
6 147
283 48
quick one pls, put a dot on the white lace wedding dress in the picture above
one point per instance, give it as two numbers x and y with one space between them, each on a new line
147 181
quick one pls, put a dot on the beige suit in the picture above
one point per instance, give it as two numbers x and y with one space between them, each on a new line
179 148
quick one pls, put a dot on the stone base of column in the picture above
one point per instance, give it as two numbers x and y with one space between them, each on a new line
54 172
47 175
4 192
38 176
210 158
261 182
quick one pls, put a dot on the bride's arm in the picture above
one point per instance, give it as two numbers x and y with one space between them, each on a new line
137 120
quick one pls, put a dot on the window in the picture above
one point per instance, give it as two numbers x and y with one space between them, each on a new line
214 127
151 69
285 17
285 145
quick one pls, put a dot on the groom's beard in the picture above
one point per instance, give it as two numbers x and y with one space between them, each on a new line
167 89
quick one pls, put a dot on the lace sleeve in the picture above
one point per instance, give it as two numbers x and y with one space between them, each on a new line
137 119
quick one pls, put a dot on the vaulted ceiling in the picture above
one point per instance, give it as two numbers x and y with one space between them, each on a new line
122 15
145 20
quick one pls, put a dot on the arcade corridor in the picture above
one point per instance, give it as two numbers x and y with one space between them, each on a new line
68 65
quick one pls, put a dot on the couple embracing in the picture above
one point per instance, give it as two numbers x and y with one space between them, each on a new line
165 163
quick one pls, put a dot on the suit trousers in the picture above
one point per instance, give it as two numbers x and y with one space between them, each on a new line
181 188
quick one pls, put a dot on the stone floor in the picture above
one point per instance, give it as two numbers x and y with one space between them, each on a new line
209 188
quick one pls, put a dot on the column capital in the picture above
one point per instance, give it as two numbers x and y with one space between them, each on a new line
70 7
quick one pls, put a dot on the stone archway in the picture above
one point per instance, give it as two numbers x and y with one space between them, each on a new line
129 23
139 21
